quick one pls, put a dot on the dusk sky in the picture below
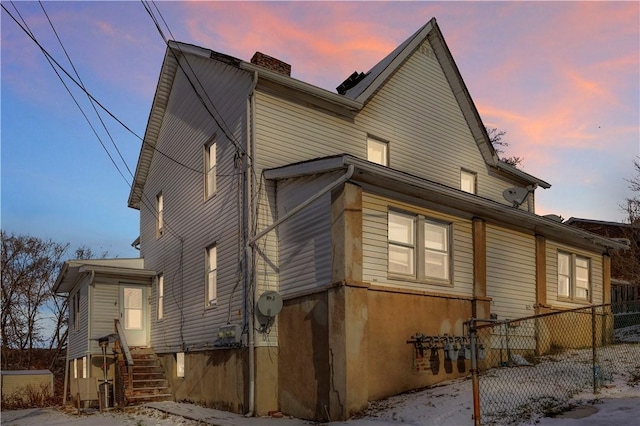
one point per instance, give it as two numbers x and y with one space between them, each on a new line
562 79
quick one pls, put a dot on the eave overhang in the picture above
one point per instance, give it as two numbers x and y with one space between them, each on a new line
446 199
73 270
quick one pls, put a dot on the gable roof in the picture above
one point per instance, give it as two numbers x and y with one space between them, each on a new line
353 99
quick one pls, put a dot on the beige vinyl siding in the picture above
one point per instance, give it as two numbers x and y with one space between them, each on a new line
596 274
375 243
511 272
428 136
305 238
105 307
193 223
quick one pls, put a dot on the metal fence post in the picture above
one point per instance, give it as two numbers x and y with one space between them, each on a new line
596 373
474 373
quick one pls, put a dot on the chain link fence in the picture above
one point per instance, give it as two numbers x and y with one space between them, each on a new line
535 365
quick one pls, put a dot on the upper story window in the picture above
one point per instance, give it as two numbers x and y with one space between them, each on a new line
210 169
419 247
468 181
160 215
75 301
211 288
378 151
574 277
160 296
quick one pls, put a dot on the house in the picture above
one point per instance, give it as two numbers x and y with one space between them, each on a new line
625 264
300 237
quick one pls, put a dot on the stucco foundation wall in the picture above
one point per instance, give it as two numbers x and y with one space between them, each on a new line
303 379
213 379
392 319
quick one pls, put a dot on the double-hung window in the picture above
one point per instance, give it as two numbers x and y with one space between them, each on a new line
76 310
419 248
574 277
211 279
160 296
160 215
468 181
210 169
378 151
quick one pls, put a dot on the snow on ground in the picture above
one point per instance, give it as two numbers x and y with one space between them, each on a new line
618 401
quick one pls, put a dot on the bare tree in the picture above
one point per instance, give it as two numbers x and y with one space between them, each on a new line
29 268
499 144
629 262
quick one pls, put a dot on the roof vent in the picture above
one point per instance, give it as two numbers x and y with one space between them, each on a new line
353 79
271 63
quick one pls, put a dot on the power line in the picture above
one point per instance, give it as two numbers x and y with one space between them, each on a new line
97 102
219 121
104 126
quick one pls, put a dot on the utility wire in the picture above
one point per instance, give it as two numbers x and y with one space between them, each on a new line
30 33
97 102
51 61
104 126
218 121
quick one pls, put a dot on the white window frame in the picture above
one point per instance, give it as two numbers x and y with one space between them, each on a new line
574 280
210 170
468 181
159 215
211 276
378 158
76 310
160 290
417 249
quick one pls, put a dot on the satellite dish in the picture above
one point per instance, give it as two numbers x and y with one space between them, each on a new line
554 217
270 304
515 195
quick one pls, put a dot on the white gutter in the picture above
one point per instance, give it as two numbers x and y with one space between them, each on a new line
248 258
304 204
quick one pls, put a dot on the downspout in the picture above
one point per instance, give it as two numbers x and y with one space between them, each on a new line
248 258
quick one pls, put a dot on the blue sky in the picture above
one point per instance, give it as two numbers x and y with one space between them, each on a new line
562 79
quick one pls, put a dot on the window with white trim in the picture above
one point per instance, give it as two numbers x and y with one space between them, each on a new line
160 215
378 151
212 271
75 301
419 247
468 181
574 277
210 169
160 296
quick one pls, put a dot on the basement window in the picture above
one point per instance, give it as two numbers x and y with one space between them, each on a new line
180 364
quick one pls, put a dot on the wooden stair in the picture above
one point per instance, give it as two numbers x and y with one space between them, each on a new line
147 381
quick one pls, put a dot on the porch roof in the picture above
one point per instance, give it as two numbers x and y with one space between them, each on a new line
446 199
72 270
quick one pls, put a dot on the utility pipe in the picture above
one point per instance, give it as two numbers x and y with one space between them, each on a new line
250 243
248 259
304 204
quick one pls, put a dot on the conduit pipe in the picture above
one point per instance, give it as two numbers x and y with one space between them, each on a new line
342 179
304 204
248 261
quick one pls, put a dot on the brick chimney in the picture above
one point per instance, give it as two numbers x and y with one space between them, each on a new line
271 64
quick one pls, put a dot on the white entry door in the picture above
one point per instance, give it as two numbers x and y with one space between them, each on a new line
134 314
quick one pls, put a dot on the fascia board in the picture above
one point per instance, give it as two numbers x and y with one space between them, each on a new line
395 63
